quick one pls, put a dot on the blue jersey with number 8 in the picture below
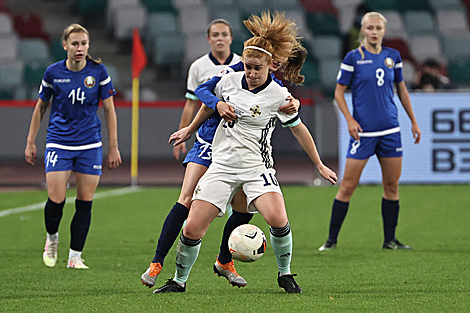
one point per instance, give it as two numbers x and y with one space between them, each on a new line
371 80
75 99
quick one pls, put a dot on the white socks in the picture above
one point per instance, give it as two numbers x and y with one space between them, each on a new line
73 253
53 237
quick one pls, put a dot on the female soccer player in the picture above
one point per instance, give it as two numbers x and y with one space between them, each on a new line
73 142
242 160
371 71
219 36
262 26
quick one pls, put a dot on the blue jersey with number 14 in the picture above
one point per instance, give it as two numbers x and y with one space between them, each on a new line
371 80
75 99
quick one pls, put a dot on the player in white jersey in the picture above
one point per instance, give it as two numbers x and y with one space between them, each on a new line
241 162
73 88
219 37
371 71
198 159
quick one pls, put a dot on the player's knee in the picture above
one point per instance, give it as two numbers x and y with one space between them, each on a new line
347 189
192 231
185 200
57 198
390 189
278 221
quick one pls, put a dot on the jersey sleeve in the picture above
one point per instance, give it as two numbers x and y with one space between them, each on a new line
205 91
106 85
346 70
287 120
192 83
398 69
217 90
45 89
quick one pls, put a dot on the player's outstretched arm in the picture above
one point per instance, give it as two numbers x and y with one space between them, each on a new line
38 115
185 133
305 139
190 108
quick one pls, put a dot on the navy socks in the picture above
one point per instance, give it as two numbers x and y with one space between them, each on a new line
235 220
338 214
170 231
53 215
80 224
390 210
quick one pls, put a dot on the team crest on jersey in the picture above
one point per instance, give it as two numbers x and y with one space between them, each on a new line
89 81
255 111
389 62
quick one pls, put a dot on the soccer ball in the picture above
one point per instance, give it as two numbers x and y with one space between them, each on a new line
247 243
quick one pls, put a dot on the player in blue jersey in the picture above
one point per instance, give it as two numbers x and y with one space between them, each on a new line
371 71
73 88
242 160
199 158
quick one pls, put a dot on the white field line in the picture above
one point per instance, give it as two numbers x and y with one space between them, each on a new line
38 206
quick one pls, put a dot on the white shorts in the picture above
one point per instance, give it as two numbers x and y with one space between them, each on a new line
218 186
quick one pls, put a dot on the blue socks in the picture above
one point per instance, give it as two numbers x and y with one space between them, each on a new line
170 231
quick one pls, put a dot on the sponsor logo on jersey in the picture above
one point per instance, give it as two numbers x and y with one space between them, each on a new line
62 80
255 111
389 62
89 81
364 62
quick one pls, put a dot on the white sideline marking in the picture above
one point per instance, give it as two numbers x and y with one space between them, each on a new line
38 206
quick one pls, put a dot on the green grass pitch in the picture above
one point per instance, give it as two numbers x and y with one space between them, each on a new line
358 276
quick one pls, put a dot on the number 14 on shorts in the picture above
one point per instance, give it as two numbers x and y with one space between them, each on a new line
51 158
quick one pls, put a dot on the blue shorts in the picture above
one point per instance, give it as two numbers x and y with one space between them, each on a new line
201 153
82 161
384 146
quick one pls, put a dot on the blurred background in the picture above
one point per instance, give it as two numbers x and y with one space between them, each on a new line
432 36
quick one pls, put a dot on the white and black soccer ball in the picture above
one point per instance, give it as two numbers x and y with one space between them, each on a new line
247 243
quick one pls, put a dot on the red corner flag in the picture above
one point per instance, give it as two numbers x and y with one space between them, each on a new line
139 58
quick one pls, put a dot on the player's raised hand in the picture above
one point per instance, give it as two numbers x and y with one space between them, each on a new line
226 111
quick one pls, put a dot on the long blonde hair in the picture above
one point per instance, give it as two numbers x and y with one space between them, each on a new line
282 39
77 28
362 39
